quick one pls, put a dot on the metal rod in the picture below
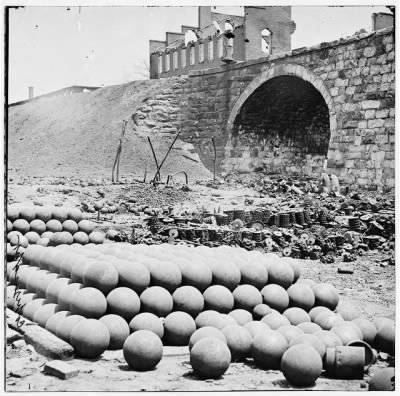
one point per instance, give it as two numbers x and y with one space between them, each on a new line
154 155
166 155
215 155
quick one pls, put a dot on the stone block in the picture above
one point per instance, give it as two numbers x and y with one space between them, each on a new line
349 163
356 81
334 91
371 88
389 122
377 79
60 369
389 163
369 52
369 114
378 156
370 104
382 113
357 140
362 124
376 123
333 74
341 82
350 90
381 139
390 182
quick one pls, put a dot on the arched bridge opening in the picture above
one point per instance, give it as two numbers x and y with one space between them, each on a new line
282 126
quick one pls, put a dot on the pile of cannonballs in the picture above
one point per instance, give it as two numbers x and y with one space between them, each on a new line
227 304
49 226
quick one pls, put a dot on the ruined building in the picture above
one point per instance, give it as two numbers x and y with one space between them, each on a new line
261 32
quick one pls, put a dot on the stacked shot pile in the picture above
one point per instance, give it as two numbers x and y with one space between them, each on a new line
226 304
49 226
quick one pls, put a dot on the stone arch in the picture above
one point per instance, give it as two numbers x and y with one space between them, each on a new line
289 69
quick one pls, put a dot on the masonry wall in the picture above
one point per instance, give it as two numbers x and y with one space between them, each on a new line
359 75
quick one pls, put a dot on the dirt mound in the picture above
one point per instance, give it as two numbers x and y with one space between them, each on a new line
78 135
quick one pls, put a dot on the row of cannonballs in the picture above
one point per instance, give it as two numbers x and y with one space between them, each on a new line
52 226
200 293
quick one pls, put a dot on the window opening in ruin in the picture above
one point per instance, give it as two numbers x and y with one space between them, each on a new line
167 64
220 47
266 41
175 59
192 55
160 64
183 57
201 52
210 50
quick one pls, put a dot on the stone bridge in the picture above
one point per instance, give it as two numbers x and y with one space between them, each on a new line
327 107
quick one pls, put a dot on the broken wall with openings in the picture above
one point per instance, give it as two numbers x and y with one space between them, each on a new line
283 126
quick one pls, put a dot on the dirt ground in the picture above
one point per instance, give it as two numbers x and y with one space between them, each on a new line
370 290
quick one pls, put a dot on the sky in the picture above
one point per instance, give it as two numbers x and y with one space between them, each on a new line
52 47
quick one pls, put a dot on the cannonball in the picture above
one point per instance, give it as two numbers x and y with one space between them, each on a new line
206 331
32 237
198 275
54 225
267 349
210 358
86 226
124 302
247 297
301 365
22 275
32 255
20 241
226 274
30 308
296 267
296 315
65 326
290 332
61 238
156 300
239 341
102 276
70 226
147 321
43 213
97 237
275 320
23 299
312 340
165 274
143 350
43 242
117 328
227 320
12 212
383 380
326 295
260 310
218 298
241 316
21 225
210 318
59 213
368 329
37 226
255 274
178 328
301 296
188 299
327 319
133 275
42 283
314 312
275 297
80 237
255 327
35 281
47 234
280 273
385 338
27 213
90 338
309 327
54 288
11 234
89 302
55 319
347 331
9 226
75 214
42 315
